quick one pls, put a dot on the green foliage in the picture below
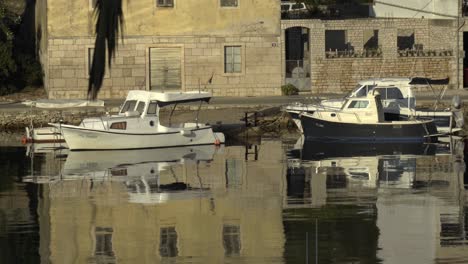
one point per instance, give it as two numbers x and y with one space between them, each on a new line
289 89
19 65
7 63
31 70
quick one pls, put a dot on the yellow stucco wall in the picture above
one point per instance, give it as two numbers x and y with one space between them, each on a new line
187 17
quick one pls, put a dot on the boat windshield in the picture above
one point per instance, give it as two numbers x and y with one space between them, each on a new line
128 106
363 91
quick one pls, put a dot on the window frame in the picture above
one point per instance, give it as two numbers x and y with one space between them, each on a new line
89 61
155 103
229 7
242 57
165 5
129 102
354 103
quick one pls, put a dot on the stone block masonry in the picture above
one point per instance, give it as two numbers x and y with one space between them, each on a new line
341 75
431 52
202 59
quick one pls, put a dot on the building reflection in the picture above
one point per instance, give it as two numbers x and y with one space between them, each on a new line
371 204
205 204
407 195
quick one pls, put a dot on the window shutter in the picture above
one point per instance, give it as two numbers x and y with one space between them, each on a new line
165 68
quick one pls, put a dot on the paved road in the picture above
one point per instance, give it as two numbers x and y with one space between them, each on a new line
426 97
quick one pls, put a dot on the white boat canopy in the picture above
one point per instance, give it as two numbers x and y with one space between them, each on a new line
63 103
167 98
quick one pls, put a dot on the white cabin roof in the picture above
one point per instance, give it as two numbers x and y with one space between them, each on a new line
386 81
168 97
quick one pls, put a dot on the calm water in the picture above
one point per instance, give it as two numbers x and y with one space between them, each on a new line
272 202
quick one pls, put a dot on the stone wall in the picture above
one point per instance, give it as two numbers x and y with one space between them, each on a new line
202 58
340 71
341 75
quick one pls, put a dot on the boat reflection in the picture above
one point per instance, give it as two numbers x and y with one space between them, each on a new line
197 205
150 175
370 165
406 194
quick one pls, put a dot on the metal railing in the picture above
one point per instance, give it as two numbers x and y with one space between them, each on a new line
424 53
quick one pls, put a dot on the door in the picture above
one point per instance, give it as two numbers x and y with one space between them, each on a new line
165 68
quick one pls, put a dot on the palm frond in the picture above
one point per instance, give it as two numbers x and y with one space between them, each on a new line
109 25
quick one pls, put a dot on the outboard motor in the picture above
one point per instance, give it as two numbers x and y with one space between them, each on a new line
456 102
457 114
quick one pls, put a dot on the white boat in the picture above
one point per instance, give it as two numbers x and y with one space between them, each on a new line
42 135
137 125
362 120
50 134
398 101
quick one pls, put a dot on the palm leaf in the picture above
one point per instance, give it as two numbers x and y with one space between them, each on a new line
109 23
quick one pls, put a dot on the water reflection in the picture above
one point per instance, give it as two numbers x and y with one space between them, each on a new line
199 204
271 202
404 202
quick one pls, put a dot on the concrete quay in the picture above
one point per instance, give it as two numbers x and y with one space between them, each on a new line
221 110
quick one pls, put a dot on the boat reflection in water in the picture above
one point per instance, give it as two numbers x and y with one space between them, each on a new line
178 205
403 203
370 165
150 175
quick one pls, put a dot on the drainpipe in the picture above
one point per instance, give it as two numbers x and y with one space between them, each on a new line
458 42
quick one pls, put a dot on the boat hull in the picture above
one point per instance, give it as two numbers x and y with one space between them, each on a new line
79 138
318 129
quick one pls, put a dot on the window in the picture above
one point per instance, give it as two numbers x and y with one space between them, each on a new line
336 40
103 251
231 240
141 107
358 104
128 106
90 54
232 59
298 6
371 39
229 3
233 173
153 106
168 242
390 93
405 39
119 125
165 3
364 90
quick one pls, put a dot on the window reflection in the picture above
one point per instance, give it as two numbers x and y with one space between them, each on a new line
231 240
103 251
233 173
168 242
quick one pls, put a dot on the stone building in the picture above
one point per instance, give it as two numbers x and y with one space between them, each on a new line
250 48
168 44
340 52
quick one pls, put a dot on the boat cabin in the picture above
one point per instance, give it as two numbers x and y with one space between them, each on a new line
367 109
143 103
140 111
356 110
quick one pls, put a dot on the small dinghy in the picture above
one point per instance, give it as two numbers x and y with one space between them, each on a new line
362 120
137 125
